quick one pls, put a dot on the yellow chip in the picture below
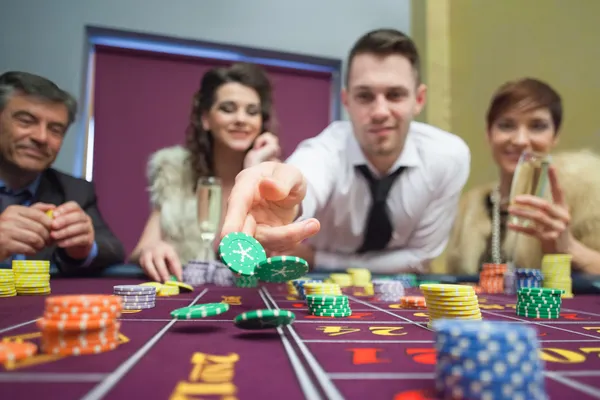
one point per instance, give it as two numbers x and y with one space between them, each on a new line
180 285
50 213
157 285
447 289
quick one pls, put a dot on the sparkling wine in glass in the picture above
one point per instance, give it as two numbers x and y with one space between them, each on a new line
208 193
530 177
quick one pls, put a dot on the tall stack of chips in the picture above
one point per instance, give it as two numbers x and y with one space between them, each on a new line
488 360
539 303
491 278
137 297
7 283
388 290
80 324
445 301
556 269
328 305
32 277
527 277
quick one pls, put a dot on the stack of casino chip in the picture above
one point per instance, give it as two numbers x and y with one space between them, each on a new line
408 280
361 277
246 281
299 285
491 278
510 281
539 303
446 301
138 297
323 305
197 273
80 324
488 360
32 277
556 269
413 302
343 280
528 277
7 283
388 290
332 289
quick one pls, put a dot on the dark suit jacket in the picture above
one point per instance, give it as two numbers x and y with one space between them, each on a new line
58 188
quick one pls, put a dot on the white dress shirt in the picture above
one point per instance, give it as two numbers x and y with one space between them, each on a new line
422 202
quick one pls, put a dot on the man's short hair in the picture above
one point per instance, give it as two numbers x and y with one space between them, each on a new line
385 42
17 82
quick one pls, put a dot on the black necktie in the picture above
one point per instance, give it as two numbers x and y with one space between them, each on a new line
379 227
8 198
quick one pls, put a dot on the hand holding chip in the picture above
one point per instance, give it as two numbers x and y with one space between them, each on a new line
550 220
24 230
72 230
264 203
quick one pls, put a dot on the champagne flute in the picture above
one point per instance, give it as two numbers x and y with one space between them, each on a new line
530 177
208 193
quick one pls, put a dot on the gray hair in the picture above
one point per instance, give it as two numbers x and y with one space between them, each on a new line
34 85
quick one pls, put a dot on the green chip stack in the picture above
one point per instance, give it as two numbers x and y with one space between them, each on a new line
535 302
328 305
246 281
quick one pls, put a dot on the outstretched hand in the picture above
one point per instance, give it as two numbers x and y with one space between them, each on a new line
264 203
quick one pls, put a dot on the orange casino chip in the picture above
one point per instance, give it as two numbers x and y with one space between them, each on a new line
84 301
413 301
82 350
83 325
14 351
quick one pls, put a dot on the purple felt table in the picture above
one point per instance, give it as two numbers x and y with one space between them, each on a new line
381 352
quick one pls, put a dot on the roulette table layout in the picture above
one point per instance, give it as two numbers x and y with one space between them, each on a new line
383 350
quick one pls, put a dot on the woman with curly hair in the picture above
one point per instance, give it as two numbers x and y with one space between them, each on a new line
526 115
227 133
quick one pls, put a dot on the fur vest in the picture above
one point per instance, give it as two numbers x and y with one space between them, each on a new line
579 176
171 186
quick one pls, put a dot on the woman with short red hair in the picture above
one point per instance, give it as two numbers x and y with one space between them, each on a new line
526 115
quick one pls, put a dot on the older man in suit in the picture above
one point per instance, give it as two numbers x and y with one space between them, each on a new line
46 214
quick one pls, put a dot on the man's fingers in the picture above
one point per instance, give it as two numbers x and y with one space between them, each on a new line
249 226
66 208
285 237
240 202
43 207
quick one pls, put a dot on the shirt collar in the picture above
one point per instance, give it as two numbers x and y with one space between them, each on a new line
31 188
408 158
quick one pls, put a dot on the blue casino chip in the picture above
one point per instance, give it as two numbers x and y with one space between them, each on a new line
488 360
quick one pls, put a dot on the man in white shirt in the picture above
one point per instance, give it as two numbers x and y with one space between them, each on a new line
378 192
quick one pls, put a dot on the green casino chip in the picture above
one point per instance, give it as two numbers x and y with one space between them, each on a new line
336 314
264 319
325 299
537 291
281 269
241 253
200 311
